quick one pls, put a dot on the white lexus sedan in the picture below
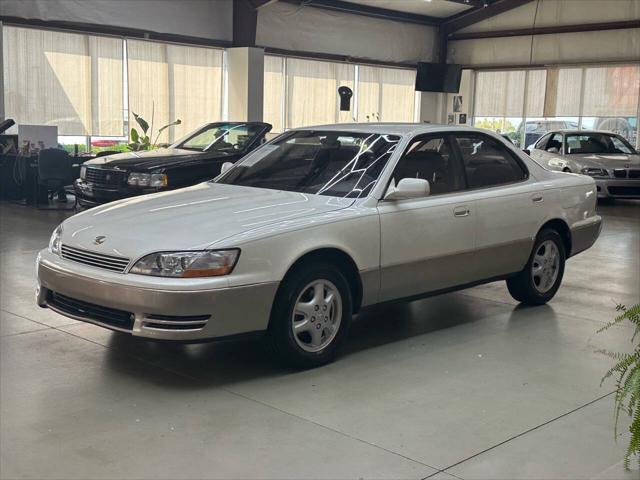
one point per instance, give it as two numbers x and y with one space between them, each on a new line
314 226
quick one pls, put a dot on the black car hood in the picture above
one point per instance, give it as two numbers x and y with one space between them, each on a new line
155 159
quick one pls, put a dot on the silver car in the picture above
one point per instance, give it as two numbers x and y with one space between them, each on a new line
605 156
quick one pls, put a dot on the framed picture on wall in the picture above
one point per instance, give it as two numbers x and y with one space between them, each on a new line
457 103
451 119
462 118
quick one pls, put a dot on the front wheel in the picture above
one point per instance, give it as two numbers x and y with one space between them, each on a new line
541 277
310 316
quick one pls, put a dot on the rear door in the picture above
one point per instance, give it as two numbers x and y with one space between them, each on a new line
508 204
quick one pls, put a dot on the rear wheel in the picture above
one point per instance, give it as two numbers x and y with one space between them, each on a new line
541 278
310 316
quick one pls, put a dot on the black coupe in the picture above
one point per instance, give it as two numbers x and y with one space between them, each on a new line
192 160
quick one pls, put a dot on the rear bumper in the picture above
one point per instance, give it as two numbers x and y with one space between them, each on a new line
618 188
91 195
585 234
154 312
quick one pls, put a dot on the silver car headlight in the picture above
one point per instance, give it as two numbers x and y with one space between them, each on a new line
147 179
83 172
55 241
203 263
594 172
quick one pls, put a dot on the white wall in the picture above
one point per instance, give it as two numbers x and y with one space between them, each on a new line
210 19
584 47
309 29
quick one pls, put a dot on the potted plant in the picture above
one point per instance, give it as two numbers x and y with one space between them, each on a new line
626 372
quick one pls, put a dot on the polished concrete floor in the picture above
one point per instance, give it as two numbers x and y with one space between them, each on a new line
465 385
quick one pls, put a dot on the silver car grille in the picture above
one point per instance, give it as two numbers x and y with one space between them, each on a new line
98 260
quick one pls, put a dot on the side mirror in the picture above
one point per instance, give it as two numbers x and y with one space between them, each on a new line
408 188
553 150
225 167
527 151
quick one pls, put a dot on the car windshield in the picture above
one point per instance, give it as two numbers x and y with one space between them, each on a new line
221 137
597 143
341 164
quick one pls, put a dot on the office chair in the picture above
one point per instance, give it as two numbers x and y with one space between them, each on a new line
55 172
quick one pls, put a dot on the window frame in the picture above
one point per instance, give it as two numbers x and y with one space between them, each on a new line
518 160
448 138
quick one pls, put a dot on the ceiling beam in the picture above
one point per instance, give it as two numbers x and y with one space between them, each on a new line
367 11
583 27
471 3
469 17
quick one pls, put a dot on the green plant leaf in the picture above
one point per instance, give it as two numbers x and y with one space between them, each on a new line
142 122
134 135
177 122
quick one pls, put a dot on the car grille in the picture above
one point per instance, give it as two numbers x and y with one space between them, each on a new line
99 260
78 308
634 173
624 191
620 173
105 176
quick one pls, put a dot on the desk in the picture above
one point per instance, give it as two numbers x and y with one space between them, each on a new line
19 178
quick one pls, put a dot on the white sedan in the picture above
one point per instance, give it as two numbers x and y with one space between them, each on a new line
314 226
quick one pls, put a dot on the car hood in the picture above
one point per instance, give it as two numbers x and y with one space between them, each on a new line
610 161
151 159
189 219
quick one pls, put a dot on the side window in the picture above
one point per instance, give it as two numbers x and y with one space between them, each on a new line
430 158
542 143
488 163
554 145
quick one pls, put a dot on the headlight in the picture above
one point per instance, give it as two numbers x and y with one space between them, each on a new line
207 263
147 179
595 172
55 241
83 172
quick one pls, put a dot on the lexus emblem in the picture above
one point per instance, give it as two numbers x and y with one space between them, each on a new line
99 240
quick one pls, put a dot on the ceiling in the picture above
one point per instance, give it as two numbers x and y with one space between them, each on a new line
434 8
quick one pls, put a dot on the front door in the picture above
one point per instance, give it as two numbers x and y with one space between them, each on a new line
427 244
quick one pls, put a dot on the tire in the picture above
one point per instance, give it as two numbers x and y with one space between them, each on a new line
316 343
539 288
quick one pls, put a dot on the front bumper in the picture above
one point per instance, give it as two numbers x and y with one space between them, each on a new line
618 188
162 312
91 195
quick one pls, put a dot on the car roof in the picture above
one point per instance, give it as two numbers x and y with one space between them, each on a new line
388 128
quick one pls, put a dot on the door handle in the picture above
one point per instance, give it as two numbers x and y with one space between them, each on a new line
537 198
461 211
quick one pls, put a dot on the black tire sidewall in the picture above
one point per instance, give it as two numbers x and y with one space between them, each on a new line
533 293
280 331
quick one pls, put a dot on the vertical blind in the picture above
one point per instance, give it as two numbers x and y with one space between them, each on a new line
273 92
312 91
311 98
168 82
70 80
611 91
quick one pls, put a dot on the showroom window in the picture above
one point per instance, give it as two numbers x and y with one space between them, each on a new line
169 82
89 86
70 80
302 92
589 97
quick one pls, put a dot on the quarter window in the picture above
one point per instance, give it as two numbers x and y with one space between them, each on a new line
487 163
431 159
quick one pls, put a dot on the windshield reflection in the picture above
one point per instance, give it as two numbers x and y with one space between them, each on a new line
333 163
